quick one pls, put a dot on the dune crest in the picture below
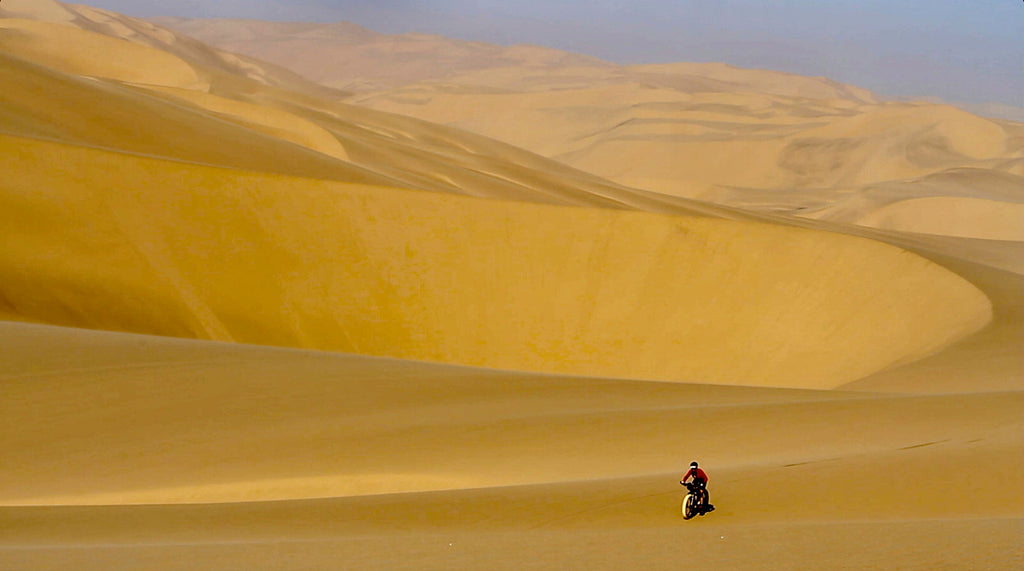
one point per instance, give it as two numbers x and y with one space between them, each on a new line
968 217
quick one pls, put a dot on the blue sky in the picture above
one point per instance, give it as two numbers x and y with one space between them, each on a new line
959 50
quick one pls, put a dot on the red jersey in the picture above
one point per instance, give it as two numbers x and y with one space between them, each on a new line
697 474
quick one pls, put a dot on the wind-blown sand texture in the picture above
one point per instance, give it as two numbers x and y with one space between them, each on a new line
247 326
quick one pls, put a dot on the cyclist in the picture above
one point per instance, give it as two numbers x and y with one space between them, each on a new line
700 477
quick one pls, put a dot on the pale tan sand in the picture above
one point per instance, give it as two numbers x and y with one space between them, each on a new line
265 119
71 50
969 217
43 10
230 214
751 138
350 57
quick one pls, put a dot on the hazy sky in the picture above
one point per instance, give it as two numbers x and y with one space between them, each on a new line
959 50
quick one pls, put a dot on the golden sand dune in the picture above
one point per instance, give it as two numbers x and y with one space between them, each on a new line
264 128
751 138
228 201
142 34
200 127
44 103
752 149
428 276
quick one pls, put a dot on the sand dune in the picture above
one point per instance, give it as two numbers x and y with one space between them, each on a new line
530 353
349 57
271 131
722 146
426 276
752 138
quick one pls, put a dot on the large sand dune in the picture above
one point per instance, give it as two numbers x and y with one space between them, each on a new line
461 280
246 325
751 138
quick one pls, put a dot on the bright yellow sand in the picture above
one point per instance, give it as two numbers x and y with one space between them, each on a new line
255 227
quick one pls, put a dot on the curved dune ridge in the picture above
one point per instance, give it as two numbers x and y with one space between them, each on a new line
423 276
969 217
275 122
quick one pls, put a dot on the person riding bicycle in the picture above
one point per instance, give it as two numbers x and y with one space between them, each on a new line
700 478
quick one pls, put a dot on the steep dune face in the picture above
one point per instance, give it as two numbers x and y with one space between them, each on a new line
387 272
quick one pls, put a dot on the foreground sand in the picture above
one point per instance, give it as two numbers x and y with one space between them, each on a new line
391 464
856 394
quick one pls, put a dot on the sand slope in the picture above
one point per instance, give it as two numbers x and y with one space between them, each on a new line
226 201
583 468
762 150
428 276
752 138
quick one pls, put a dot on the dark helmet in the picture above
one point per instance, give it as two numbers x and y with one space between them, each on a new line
693 464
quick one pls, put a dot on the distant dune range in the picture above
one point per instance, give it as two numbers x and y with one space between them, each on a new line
752 138
251 320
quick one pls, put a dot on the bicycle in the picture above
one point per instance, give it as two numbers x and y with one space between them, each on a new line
695 501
